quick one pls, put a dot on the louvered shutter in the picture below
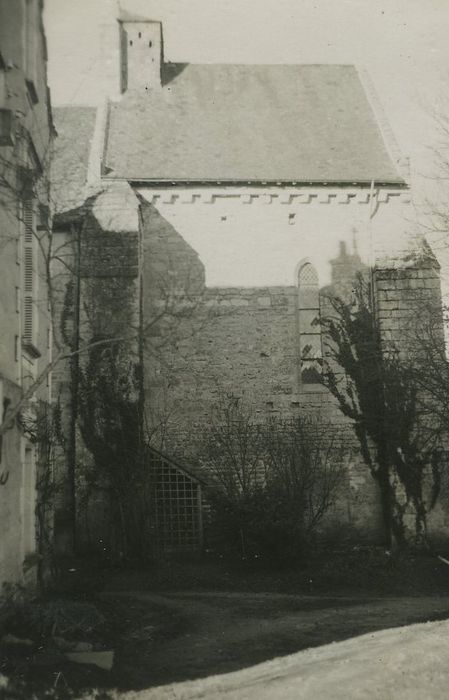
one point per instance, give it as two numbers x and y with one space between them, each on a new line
28 272
28 220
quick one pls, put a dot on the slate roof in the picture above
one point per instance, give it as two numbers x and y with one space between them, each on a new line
75 129
289 123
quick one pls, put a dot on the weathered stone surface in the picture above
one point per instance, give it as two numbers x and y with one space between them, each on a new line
200 341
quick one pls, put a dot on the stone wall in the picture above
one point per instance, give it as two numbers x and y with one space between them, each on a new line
110 284
409 310
199 342
408 304
99 312
239 341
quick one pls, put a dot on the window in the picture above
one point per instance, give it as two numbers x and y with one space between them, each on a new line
310 348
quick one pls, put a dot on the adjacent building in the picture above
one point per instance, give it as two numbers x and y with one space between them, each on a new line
26 132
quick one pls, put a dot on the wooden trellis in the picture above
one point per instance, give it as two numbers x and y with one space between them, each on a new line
177 507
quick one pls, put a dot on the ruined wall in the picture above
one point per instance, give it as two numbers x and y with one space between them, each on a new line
408 304
99 314
242 341
110 280
199 340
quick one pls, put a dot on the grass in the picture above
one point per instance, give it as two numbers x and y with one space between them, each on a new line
140 630
369 570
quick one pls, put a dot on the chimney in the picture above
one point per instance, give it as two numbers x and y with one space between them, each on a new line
141 54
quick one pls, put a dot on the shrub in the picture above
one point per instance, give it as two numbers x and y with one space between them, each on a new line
276 479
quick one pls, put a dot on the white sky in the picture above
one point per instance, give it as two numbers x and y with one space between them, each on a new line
403 44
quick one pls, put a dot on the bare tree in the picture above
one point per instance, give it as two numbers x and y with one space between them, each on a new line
305 465
231 445
272 479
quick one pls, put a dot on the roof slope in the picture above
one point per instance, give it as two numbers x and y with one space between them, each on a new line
305 123
75 129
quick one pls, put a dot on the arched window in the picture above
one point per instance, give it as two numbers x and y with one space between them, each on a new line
310 348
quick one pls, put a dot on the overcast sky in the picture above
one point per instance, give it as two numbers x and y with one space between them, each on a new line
403 44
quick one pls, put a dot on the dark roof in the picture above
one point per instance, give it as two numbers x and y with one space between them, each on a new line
304 123
75 129
125 16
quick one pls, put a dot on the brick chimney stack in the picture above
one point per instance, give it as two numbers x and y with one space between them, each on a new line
141 54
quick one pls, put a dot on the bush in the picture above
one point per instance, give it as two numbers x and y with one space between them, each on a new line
276 479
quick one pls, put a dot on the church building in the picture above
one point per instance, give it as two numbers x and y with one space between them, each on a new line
214 204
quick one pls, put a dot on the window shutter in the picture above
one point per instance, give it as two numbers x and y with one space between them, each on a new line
29 267
28 325
28 220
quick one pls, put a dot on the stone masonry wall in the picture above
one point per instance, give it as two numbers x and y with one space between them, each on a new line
407 299
109 308
110 283
200 342
409 309
241 341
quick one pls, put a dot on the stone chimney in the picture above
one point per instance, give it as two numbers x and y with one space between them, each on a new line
141 54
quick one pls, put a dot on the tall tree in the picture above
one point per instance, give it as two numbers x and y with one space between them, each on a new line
378 390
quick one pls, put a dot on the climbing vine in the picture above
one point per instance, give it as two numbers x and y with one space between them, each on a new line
377 390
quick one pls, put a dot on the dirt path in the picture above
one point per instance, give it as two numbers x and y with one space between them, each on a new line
198 634
406 663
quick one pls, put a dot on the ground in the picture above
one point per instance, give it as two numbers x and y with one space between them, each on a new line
209 633
182 623
409 663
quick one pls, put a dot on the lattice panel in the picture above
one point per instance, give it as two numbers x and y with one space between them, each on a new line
308 276
177 508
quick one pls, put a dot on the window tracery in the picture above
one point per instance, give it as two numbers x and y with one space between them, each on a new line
310 345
